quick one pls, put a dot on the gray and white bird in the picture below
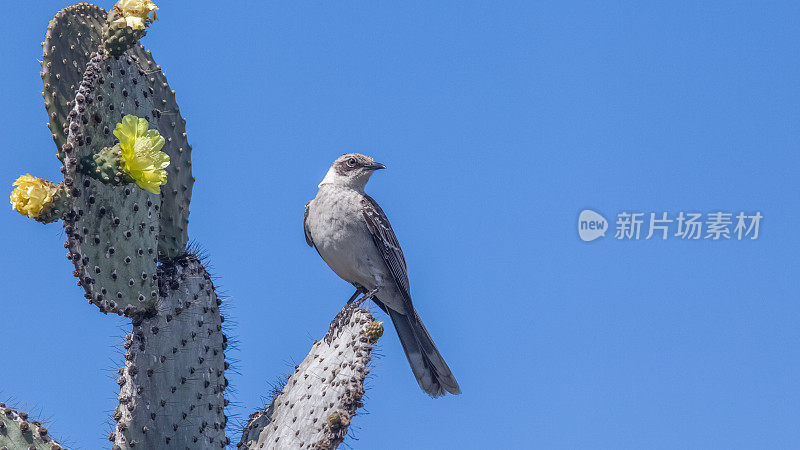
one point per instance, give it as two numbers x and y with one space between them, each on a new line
354 237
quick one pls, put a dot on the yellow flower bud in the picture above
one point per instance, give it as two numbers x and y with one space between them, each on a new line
135 13
31 195
140 149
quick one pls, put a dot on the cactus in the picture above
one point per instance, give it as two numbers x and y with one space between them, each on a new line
107 165
71 37
177 193
126 24
16 432
175 367
112 229
124 203
320 399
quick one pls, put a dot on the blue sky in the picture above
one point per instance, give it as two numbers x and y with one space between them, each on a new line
499 122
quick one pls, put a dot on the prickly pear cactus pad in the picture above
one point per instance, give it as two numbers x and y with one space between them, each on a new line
166 118
16 432
127 23
314 409
177 193
72 36
74 33
112 229
171 388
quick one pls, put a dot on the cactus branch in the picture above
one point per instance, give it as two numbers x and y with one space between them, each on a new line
172 385
314 409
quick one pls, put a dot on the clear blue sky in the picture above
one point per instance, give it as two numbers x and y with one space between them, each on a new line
499 122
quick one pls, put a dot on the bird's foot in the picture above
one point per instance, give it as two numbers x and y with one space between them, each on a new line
344 315
367 296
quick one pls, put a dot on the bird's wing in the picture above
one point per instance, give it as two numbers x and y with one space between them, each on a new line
309 241
386 242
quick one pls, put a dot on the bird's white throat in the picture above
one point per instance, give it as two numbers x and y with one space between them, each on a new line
328 177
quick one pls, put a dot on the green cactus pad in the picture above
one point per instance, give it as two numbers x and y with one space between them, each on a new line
56 210
72 35
177 193
172 386
150 84
112 229
118 38
112 234
107 166
16 432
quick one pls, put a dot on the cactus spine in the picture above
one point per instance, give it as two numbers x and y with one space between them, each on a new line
126 228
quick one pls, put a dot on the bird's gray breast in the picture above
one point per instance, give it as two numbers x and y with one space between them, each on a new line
337 226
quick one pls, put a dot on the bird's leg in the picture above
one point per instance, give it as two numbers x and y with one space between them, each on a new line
359 290
343 316
368 295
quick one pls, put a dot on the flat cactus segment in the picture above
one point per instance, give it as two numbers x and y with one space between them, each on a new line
177 193
116 38
72 35
315 408
172 385
16 432
112 229
112 234
108 166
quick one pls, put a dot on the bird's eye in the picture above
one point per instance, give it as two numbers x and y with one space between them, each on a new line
351 162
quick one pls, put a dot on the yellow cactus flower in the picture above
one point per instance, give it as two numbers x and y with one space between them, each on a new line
140 149
135 13
31 195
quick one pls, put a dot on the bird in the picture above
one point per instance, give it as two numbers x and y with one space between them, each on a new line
351 233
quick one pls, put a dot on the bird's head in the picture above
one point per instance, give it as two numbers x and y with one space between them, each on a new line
351 170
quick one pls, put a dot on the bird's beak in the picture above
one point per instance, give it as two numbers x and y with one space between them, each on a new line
376 166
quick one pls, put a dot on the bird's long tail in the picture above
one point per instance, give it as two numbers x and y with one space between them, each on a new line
430 370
